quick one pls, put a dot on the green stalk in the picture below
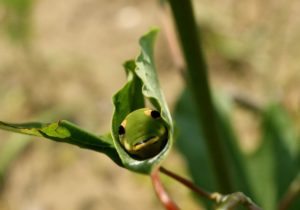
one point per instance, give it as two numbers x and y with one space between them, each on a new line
199 86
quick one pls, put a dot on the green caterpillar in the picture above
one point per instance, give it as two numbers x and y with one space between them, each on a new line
143 133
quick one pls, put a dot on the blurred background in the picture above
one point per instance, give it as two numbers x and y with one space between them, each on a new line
63 60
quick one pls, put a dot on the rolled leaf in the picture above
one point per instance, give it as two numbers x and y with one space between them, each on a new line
142 84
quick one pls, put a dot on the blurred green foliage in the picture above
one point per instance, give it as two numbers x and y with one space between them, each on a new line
275 164
266 174
9 152
16 19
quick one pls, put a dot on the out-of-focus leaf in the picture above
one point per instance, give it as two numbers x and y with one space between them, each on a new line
192 146
142 83
64 131
238 169
276 162
9 151
190 143
16 19
292 196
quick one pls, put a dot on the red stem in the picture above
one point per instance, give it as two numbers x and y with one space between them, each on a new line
186 183
162 193
291 194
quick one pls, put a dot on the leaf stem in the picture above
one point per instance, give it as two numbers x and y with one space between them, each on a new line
291 194
223 202
186 183
161 193
199 86
231 201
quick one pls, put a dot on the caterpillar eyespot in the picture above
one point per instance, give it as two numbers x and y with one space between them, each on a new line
121 130
155 114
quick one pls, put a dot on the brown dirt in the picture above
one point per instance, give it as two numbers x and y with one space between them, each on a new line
73 67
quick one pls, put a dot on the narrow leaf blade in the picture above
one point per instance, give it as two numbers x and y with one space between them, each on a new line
67 132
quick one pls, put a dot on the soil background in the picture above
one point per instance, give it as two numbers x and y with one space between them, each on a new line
72 65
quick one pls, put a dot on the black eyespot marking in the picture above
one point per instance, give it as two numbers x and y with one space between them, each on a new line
121 130
155 114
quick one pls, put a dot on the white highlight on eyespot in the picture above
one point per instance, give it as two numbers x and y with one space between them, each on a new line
148 112
124 123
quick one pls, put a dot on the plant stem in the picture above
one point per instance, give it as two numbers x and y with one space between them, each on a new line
186 183
199 86
223 202
291 194
231 201
162 193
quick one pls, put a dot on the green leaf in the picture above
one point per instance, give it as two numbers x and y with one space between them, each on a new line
130 97
142 83
276 162
9 152
16 20
237 158
147 73
191 144
64 131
